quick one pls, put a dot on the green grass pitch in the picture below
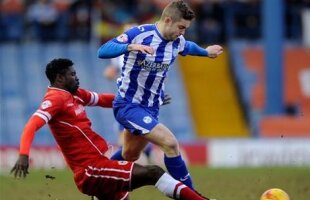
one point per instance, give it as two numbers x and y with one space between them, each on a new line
219 183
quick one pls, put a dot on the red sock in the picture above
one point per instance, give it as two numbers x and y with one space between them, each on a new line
185 193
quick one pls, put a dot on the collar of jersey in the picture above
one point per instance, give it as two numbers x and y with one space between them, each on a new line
55 88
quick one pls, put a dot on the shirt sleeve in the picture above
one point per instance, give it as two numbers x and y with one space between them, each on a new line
94 99
49 107
119 45
191 48
34 124
112 49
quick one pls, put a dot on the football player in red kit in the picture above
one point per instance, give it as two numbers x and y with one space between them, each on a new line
95 174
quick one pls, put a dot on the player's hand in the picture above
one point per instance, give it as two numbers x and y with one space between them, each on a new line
214 51
167 99
141 48
110 72
20 168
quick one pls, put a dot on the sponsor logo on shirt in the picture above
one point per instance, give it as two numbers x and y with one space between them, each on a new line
70 104
79 110
152 66
147 119
46 104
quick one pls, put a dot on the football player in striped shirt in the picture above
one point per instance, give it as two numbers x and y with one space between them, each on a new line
112 72
149 50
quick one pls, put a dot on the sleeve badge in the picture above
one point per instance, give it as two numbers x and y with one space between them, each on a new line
46 104
122 38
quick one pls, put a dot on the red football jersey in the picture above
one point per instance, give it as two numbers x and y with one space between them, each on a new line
65 114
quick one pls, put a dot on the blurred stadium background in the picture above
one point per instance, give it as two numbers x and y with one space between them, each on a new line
248 108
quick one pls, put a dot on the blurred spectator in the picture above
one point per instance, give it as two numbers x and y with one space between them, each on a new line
105 29
63 21
247 19
42 16
80 11
145 11
294 11
210 20
11 20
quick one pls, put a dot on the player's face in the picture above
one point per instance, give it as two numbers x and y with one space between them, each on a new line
71 80
175 29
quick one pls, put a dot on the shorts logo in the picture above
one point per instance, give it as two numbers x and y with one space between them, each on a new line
122 38
122 162
46 104
147 119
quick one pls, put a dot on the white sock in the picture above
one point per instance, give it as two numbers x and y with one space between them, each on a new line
166 184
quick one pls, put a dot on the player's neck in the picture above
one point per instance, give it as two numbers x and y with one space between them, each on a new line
59 86
160 26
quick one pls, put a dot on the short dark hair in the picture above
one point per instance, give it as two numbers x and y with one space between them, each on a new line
57 66
178 10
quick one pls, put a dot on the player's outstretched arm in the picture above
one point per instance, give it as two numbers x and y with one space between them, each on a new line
191 48
20 169
94 99
112 49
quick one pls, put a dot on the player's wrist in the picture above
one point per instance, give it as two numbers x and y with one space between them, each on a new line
130 47
24 155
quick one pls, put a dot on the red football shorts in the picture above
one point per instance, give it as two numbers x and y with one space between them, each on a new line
106 179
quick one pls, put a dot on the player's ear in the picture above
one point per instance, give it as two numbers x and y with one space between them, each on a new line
167 20
60 78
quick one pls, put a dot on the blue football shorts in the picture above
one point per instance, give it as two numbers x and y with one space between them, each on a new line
136 118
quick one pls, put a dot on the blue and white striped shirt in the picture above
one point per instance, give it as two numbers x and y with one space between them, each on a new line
143 75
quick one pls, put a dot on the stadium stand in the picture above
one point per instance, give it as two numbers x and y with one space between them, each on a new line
213 99
295 121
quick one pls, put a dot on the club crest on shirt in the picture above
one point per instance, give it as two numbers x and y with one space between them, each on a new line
46 104
147 119
122 38
79 110
122 162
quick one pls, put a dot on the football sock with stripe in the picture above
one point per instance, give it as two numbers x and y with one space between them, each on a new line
175 189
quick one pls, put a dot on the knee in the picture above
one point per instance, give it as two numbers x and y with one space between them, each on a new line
145 175
171 146
164 138
154 172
